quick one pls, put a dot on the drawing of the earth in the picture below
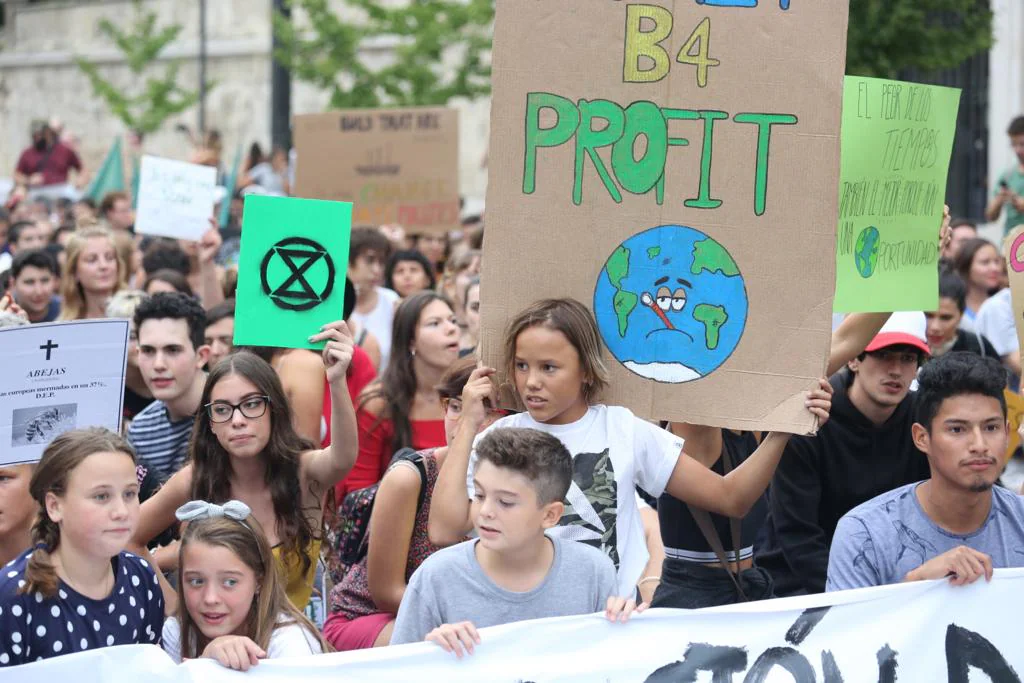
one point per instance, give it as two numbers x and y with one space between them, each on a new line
865 256
671 304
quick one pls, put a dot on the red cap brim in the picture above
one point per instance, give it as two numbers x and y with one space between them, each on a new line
885 339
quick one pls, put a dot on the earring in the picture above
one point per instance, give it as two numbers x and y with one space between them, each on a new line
412 352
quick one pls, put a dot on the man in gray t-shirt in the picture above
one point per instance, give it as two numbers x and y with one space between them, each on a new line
955 524
885 539
450 586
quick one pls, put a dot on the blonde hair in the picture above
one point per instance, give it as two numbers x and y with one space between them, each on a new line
124 303
51 474
71 288
572 319
246 540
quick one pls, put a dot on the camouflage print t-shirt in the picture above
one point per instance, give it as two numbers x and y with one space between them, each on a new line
613 452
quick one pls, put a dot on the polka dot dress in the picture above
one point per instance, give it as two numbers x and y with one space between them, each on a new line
34 627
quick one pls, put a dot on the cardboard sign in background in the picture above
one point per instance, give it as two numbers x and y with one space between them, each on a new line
896 143
176 198
394 165
607 125
291 270
1013 250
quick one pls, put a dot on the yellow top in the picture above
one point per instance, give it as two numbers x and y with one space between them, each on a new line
297 584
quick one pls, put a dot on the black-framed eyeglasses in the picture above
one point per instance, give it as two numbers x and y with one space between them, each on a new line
252 407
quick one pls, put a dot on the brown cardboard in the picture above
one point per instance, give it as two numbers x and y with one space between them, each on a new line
1013 250
395 165
778 57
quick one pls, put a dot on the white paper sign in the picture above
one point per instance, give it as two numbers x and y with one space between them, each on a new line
59 376
175 198
921 632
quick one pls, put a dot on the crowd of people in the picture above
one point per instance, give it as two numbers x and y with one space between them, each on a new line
385 480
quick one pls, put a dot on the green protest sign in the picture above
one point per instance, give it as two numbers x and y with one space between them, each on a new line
291 270
896 142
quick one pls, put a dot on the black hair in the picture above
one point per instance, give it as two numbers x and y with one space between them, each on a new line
408 255
909 348
175 306
37 258
951 286
225 309
957 373
538 456
172 277
164 254
55 250
965 257
963 223
14 233
367 239
1016 126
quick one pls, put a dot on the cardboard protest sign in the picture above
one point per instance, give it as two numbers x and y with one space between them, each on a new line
897 140
291 270
394 165
1014 252
676 170
175 198
56 377
1014 415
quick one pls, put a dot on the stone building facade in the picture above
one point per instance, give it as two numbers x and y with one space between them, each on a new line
39 78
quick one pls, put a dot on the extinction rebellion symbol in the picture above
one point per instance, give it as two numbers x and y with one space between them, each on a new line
297 274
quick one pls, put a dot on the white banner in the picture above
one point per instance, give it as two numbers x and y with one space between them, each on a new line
912 633
55 377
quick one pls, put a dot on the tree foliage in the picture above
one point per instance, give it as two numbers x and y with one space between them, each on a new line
156 98
888 36
441 51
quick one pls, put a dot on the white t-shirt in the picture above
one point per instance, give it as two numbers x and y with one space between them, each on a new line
995 322
291 640
613 451
378 322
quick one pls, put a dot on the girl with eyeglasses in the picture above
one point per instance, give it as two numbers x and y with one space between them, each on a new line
244 447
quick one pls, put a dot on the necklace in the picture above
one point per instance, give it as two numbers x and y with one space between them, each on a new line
105 590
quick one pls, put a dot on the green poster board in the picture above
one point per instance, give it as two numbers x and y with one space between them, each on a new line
896 142
291 270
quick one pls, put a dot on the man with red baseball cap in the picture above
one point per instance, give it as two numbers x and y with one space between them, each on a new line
864 450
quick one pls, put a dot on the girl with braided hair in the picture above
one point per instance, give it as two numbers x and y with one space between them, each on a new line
77 589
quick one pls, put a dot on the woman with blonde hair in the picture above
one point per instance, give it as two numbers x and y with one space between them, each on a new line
94 273
233 606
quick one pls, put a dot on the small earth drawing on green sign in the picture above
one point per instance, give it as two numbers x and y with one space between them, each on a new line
865 253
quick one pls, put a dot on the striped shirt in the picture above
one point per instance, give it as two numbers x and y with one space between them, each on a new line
161 445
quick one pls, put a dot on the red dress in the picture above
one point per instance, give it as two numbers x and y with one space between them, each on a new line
360 373
375 448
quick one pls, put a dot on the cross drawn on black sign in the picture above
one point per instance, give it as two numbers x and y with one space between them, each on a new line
299 255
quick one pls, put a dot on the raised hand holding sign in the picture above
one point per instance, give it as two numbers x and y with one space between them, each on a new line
291 271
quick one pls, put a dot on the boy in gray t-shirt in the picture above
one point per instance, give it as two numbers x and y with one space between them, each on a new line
956 524
513 571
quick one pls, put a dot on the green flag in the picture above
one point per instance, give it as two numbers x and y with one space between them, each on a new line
291 271
110 176
225 205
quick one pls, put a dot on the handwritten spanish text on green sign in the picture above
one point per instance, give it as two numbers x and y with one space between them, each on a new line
896 142
291 270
